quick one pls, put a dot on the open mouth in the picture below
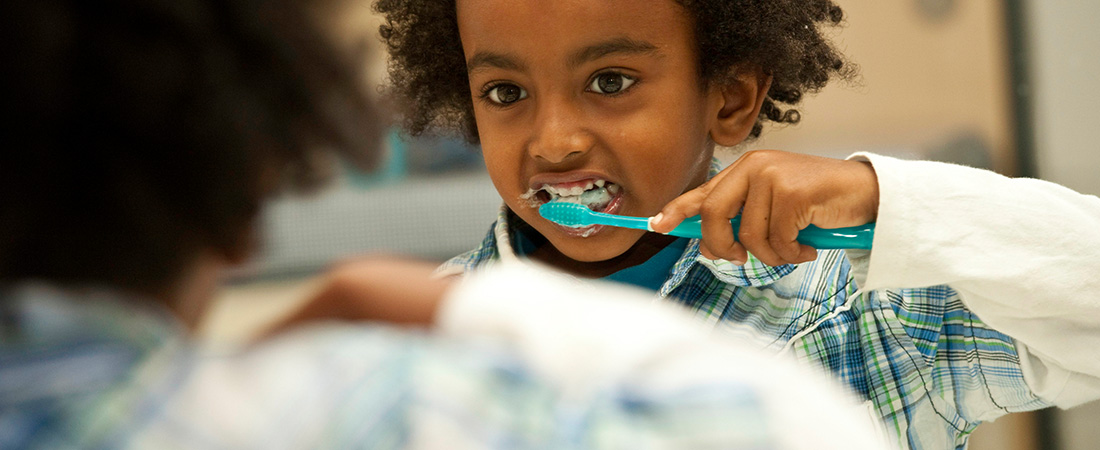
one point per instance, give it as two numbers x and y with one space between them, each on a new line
598 195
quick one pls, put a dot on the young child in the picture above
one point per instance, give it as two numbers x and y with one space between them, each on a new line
619 106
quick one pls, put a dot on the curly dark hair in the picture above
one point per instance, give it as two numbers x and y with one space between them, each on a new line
782 38
147 130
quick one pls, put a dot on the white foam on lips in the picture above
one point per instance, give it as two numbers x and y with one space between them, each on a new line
529 198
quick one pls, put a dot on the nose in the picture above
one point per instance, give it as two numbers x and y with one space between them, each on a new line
560 133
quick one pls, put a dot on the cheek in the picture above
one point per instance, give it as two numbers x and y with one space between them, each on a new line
673 142
678 121
676 162
503 151
497 163
504 167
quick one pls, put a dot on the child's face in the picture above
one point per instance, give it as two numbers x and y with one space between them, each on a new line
571 92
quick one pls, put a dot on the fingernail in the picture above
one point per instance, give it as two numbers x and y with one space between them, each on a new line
655 220
737 262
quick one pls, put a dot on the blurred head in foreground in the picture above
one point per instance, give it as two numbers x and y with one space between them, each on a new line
148 132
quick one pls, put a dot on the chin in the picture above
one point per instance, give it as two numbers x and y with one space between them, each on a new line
595 248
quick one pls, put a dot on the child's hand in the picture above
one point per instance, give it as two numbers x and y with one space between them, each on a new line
780 193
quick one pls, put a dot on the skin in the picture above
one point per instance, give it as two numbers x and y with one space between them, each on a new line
377 288
654 138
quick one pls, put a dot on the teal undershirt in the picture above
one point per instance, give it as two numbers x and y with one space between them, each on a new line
650 274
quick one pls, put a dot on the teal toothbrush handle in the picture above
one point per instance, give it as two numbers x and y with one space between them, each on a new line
858 237
638 223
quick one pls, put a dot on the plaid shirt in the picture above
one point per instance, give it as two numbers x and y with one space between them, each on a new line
96 371
931 369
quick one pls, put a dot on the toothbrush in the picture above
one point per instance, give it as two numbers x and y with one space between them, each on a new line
576 216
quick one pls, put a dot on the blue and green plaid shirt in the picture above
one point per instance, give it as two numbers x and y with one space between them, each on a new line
930 368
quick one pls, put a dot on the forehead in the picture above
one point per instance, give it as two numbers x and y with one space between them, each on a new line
550 28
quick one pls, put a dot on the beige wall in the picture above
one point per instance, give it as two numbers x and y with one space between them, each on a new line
923 80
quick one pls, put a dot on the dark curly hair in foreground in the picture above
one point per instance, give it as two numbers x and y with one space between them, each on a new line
144 131
783 38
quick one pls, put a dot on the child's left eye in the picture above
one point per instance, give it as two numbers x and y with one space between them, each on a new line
610 83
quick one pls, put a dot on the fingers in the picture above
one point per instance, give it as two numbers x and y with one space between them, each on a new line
724 202
785 225
774 206
756 220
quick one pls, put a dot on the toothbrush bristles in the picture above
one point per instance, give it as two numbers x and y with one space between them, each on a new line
567 214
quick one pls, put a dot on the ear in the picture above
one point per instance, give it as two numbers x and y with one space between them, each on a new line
736 105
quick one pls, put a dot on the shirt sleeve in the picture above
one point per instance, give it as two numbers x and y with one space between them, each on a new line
1021 254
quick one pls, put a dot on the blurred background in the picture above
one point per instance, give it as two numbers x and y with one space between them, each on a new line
1008 85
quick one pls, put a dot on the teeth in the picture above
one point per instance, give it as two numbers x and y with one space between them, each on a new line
596 192
556 192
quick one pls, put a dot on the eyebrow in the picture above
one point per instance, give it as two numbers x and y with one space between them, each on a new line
506 61
621 45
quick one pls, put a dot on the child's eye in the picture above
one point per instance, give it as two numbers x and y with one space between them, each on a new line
610 83
505 94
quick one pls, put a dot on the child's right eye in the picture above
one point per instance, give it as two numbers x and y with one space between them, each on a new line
505 94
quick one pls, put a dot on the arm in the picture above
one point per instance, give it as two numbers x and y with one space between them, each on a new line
373 288
1021 253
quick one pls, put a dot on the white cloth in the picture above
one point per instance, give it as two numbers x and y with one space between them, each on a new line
982 234
585 335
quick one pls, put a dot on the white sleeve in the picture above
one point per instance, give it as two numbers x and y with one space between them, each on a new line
585 335
1023 254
